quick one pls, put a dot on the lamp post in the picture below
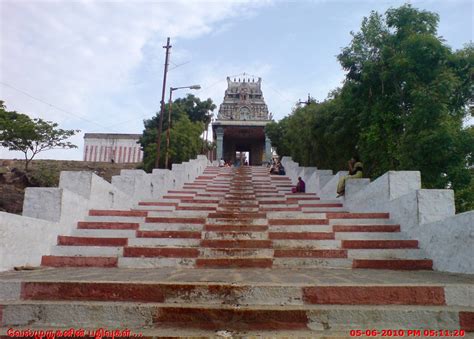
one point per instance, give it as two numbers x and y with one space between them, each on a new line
196 87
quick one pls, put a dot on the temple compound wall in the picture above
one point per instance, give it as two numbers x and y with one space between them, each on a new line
111 147
241 121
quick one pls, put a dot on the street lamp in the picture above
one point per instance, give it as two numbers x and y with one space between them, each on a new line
196 87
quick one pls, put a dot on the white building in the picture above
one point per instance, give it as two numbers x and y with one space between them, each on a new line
109 147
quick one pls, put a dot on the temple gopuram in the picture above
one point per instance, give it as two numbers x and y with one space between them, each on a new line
240 124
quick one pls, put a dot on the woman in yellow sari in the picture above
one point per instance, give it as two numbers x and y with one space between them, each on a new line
355 172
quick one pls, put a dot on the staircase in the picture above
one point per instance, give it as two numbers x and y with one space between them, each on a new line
236 250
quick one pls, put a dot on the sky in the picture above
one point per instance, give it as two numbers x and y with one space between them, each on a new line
97 66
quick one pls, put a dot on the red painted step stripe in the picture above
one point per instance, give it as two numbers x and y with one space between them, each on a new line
109 213
272 202
231 228
280 209
157 203
322 205
375 244
178 197
366 228
169 234
91 241
196 201
394 264
106 291
466 321
236 243
231 319
176 220
234 263
302 253
344 215
298 222
195 208
241 215
374 295
301 235
167 252
65 261
107 225
181 192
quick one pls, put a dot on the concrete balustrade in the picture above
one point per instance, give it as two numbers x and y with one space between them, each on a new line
427 215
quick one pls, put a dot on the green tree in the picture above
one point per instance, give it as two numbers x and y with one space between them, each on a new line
189 118
401 107
18 132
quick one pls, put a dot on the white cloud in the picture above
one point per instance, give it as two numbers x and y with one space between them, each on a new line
72 54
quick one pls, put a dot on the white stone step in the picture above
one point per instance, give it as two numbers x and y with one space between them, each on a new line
87 251
244 253
104 233
164 242
278 205
371 236
319 202
154 208
295 215
113 219
300 228
236 235
389 253
361 222
322 209
170 227
309 244
238 209
132 262
279 198
196 204
177 214
312 262
237 221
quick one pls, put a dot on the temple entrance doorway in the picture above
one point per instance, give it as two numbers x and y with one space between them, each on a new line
241 158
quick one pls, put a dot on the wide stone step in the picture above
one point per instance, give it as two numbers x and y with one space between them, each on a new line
155 262
235 228
234 262
107 225
169 234
288 221
377 244
235 252
162 252
237 235
94 314
306 244
301 235
118 213
175 220
163 242
394 264
170 227
366 228
242 293
87 250
237 243
76 261
370 236
91 241
104 233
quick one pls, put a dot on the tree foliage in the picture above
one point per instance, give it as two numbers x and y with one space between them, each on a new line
18 132
401 107
190 117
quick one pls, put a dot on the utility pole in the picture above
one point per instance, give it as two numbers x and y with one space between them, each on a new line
306 102
162 111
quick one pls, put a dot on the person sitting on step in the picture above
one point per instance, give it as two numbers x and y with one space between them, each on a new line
300 186
355 172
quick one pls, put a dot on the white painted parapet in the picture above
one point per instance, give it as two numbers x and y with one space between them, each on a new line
144 186
25 240
99 193
450 242
56 205
328 191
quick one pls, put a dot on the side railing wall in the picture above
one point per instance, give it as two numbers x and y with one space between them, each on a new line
427 215
52 211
